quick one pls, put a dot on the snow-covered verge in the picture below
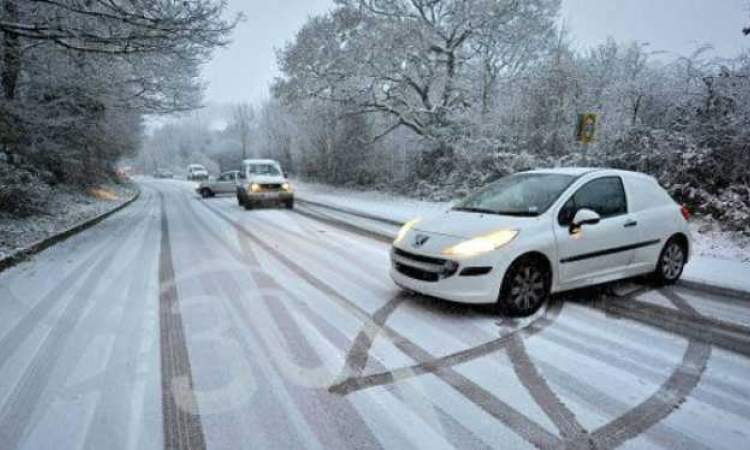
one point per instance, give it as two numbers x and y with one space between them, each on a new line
710 240
61 208
382 204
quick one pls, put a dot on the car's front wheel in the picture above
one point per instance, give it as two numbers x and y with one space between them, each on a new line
289 204
671 262
525 288
205 193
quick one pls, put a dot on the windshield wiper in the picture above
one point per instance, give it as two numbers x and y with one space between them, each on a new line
475 210
517 213
497 213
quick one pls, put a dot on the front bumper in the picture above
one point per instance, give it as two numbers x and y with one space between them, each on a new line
458 287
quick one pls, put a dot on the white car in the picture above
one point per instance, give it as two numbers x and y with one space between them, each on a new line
226 183
535 233
264 182
196 172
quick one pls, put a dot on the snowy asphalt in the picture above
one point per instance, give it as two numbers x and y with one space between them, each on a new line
188 323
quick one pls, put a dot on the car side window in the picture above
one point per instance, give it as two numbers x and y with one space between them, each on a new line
605 196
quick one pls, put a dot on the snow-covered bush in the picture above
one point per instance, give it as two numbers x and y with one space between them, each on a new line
22 192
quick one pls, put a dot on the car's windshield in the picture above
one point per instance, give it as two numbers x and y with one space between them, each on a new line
526 194
263 169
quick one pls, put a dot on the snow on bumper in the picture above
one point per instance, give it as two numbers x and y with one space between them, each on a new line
476 280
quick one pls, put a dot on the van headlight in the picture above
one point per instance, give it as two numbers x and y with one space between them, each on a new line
287 187
405 229
255 187
482 244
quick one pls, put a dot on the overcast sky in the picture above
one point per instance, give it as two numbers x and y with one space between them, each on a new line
243 71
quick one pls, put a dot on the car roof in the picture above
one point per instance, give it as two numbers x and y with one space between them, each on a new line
573 171
582 171
260 161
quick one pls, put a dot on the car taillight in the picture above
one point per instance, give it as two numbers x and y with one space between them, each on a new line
685 212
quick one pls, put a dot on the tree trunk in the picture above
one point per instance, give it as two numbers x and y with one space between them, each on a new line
11 52
487 84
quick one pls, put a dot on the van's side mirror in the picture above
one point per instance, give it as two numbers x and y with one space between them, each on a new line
584 217
285 173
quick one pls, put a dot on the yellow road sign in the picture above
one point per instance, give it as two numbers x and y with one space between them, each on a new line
587 127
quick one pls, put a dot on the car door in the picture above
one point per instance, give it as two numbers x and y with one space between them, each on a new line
225 183
593 253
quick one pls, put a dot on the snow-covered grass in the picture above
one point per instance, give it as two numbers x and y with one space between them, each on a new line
381 204
64 208
710 240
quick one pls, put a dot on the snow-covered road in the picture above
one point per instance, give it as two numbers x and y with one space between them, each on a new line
188 323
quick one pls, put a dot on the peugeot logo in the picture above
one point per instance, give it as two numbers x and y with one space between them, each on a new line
420 240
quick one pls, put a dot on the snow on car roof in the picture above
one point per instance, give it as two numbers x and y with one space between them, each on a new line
581 171
260 161
574 171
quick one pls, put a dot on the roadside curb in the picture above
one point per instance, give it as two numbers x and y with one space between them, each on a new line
24 254
687 283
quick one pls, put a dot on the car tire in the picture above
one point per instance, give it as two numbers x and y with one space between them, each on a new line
525 289
205 193
289 204
671 262
248 205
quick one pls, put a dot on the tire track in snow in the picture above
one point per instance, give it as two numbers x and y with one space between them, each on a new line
19 406
180 415
506 414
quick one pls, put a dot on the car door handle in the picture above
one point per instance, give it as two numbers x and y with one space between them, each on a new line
631 223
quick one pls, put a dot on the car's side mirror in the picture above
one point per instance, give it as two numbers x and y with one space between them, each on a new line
584 217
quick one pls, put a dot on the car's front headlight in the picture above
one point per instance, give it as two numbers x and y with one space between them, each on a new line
405 229
287 187
482 244
255 187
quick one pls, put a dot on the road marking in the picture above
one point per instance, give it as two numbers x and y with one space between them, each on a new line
180 415
506 414
670 395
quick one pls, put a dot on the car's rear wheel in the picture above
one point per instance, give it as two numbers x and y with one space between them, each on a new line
671 262
526 287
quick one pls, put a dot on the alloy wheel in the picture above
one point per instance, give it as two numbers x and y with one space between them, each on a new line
672 261
527 291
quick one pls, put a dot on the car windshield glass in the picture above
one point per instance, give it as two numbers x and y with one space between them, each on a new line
263 169
528 194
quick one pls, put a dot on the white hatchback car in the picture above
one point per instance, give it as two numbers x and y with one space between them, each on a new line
535 233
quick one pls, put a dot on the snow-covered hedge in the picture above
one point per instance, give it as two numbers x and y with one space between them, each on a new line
696 176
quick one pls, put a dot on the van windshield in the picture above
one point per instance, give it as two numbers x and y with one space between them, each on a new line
263 169
526 194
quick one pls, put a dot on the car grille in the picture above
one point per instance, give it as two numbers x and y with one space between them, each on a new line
423 268
271 187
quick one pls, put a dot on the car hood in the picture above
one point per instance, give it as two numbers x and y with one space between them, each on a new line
467 225
267 179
